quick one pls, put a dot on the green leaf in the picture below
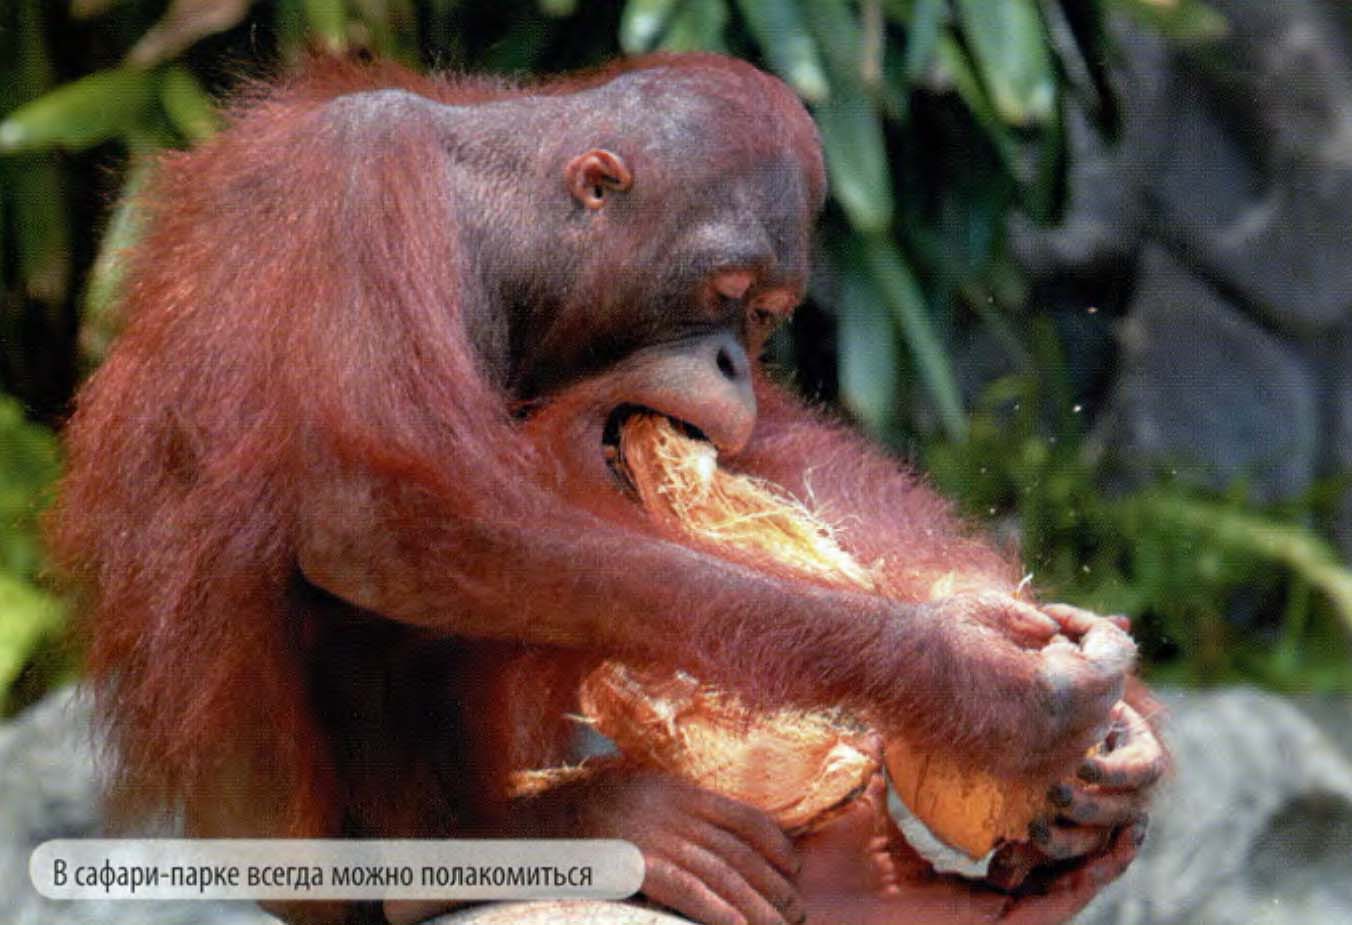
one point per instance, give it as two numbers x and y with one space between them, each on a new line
28 617
28 68
183 24
1043 196
856 157
851 125
394 30
837 33
37 200
559 9
1010 49
187 104
1294 546
698 25
642 22
956 67
899 11
1185 21
787 44
907 303
327 20
32 189
99 323
867 351
79 114
923 36
28 466
521 47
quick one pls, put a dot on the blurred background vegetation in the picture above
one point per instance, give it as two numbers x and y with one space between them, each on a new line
940 118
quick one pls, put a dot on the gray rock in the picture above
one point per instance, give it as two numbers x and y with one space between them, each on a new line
1256 184
1236 155
1254 826
1338 456
1290 254
1103 218
1207 393
1108 185
1282 70
50 788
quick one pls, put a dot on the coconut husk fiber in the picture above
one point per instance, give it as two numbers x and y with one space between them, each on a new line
797 765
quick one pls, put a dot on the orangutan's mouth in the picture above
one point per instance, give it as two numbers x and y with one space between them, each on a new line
612 446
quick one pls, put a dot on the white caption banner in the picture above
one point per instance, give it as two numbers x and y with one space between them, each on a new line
350 869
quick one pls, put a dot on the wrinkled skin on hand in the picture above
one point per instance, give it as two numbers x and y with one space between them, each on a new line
1037 687
1110 789
708 857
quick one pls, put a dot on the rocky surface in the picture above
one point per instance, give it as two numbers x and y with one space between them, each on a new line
48 789
1209 390
1216 234
1254 826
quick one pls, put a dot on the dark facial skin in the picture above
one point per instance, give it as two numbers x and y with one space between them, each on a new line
656 241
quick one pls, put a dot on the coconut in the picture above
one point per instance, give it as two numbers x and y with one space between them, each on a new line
798 765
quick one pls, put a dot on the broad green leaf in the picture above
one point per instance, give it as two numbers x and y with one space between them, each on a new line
36 199
1187 21
1042 198
923 36
850 123
856 157
33 188
957 68
183 24
289 23
867 351
560 9
698 25
1084 48
899 11
404 31
99 322
642 22
1010 49
28 68
836 30
1062 41
787 44
187 104
28 466
28 616
79 114
907 303
327 20
902 72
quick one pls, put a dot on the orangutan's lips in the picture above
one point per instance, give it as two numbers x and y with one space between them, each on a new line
610 439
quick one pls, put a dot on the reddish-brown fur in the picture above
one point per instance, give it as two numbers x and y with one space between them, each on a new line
316 390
